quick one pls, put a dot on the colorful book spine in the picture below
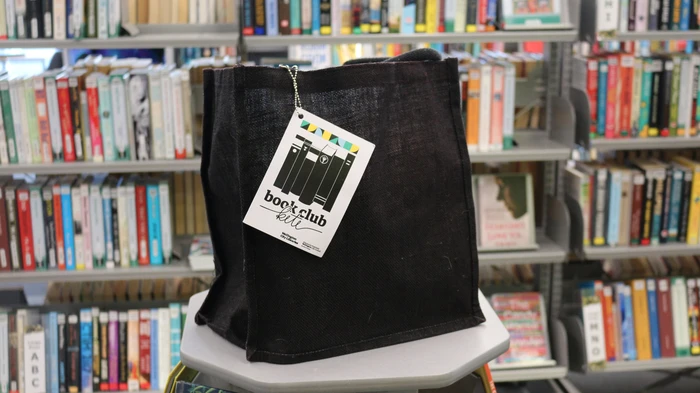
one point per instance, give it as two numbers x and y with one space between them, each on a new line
154 349
49 224
142 225
86 221
94 119
133 351
675 204
145 349
612 103
608 322
32 121
78 239
625 94
271 18
53 354
68 238
106 116
123 353
65 114
107 224
675 95
132 221
602 96
86 349
693 315
498 91
43 119
154 228
8 122
652 303
54 111
614 200
113 351
175 334
408 17
24 216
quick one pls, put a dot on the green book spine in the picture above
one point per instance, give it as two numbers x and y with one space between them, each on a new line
8 120
675 95
30 103
645 102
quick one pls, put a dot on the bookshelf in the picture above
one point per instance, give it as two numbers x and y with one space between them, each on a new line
529 374
661 250
176 270
692 35
602 144
70 168
649 365
144 41
548 252
530 146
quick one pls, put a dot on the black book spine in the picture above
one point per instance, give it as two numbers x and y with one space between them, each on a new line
326 185
365 17
75 106
49 225
123 360
317 175
600 231
326 17
248 16
357 16
289 161
693 22
295 168
648 208
632 15
306 167
62 349
73 355
47 10
665 18
666 210
471 12
115 225
284 12
685 205
35 19
385 16
665 99
657 66
653 16
95 349
420 14
339 181
594 200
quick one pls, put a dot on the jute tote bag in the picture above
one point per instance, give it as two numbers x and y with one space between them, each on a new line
403 263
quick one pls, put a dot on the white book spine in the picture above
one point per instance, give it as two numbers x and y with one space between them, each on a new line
187 113
4 158
77 220
193 18
121 131
624 16
509 104
78 17
115 16
157 132
460 16
211 8
3 26
54 116
20 14
450 14
87 223
165 226
10 19
203 12
106 123
23 152
32 122
177 114
35 362
642 16
608 16
102 19
163 346
168 127
336 21
4 352
98 232
59 19
21 320
123 225
679 305
37 213
131 219
485 108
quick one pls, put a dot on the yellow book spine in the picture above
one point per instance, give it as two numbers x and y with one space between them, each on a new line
694 211
473 108
431 12
641 320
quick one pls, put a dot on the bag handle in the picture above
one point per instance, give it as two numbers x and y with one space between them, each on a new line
422 54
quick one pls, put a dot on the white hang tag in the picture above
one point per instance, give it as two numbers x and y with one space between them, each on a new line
309 184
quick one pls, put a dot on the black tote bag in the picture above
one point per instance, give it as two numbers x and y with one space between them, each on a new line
403 263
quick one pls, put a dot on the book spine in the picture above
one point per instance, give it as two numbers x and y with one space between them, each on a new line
4 353
142 225
611 130
694 210
175 333
420 24
679 302
24 216
55 121
592 93
154 350
58 223
248 19
599 227
13 228
35 361
693 315
32 126
485 108
188 123
86 350
37 219
164 345
158 137
178 118
509 108
122 223
607 303
5 256
64 105
73 371
43 119
665 317
132 223
685 206
8 121
395 9
49 225
86 222
654 104
97 224
431 15
613 205
473 107
24 155
94 120
324 13
647 209
665 98
666 209
295 17
408 17
284 11
13 361
133 351
675 209
119 259
626 87
653 319
259 14
676 15
123 357
165 224
602 97
95 315
497 87
665 17
68 234
78 240
675 95
102 19
107 224
121 132
629 326
154 230
113 362
684 97
34 19
103 375
168 126
115 17
106 123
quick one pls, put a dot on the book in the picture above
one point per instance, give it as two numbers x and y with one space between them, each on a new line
679 302
24 218
5 253
73 371
94 116
107 223
118 80
124 368
78 238
142 227
694 205
164 348
144 333
653 318
4 352
97 223
13 224
153 349
86 349
42 119
106 117
175 333
594 332
66 116
104 350
34 359
693 315
154 227
37 220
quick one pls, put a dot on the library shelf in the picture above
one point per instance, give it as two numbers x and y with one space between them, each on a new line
656 143
691 35
530 146
145 41
650 365
176 270
529 374
548 252
661 250
69 168
566 34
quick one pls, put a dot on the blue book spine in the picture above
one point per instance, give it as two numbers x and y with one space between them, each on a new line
52 345
628 327
271 19
602 95
154 234
614 201
408 18
86 349
653 319
109 235
491 12
685 14
295 16
69 19
315 17
174 334
68 239
154 350
674 215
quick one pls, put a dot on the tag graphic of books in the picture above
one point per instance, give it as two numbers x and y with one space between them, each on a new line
315 170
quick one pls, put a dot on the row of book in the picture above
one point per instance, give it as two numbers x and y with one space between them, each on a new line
90 351
638 16
645 202
641 319
77 223
342 17
626 269
103 109
76 19
174 289
506 275
640 97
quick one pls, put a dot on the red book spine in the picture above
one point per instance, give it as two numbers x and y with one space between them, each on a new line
64 108
626 82
441 16
482 12
58 221
611 131
24 215
5 259
663 294
142 224
94 121
637 205
608 321
42 115
145 349
592 91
